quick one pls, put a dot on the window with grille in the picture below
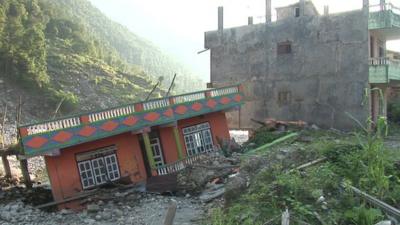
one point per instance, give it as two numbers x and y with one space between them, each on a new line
198 139
98 167
284 48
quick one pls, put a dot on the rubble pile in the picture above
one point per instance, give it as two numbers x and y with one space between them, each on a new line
109 206
284 156
34 196
194 178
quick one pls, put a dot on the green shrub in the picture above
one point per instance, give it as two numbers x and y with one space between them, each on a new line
363 216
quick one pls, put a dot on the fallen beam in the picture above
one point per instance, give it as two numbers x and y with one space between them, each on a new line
374 201
312 163
83 195
277 141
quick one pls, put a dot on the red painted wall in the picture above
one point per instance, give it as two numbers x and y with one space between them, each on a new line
63 170
169 147
218 124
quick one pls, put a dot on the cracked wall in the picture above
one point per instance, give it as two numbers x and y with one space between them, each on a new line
325 74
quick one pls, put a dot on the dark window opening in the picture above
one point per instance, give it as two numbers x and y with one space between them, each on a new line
284 97
371 47
297 12
284 48
381 52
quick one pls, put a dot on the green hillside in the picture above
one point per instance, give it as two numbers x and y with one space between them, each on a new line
129 46
68 50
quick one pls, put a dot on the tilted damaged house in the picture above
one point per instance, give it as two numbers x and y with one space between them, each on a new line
307 66
129 143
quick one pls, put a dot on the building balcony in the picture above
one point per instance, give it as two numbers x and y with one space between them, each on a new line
383 70
386 18
50 136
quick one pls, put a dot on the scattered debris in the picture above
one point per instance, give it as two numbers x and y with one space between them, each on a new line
193 179
107 206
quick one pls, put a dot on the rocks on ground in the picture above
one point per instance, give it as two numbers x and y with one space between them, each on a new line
132 208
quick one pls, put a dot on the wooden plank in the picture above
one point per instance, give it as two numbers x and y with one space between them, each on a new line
312 163
169 217
285 217
83 195
374 201
162 184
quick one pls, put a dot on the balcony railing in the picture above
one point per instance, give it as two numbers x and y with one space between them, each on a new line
384 7
189 97
224 91
112 113
383 70
182 164
383 16
156 104
53 125
73 121
379 61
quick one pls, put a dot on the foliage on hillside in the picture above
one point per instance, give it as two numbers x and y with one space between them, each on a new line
130 47
67 50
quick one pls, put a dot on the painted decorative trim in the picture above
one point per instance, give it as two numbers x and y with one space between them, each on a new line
39 144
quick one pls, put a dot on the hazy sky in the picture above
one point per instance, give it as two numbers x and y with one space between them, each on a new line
178 26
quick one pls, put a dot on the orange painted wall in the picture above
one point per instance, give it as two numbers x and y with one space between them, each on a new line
63 170
168 143
218 124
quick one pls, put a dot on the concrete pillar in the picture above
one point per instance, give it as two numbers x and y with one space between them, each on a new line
383 4
386 91
326 10
6 165
366 4
250 20
149 152
25 173
302 6
268 11
178 142
220 18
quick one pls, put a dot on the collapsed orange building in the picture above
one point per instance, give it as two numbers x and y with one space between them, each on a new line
129 143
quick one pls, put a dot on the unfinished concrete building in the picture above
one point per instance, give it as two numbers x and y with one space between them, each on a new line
307 66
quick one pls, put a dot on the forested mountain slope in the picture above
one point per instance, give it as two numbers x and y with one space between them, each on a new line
67 50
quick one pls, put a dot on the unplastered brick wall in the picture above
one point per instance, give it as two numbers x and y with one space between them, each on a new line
325 72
